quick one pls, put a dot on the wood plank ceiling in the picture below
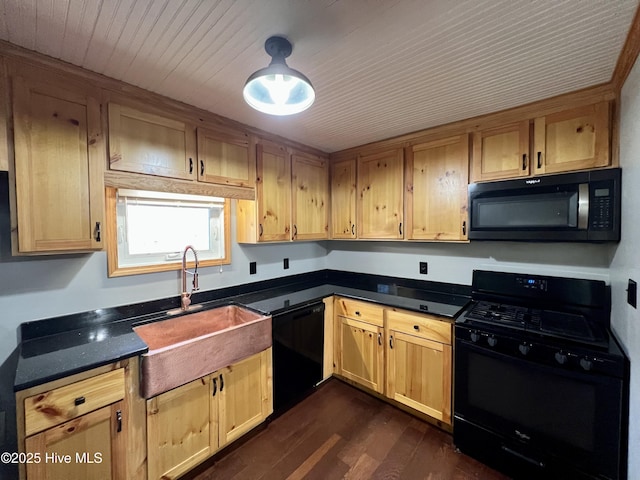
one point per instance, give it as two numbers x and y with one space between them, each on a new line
380 67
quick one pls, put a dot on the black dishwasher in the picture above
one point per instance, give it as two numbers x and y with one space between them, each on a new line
298 344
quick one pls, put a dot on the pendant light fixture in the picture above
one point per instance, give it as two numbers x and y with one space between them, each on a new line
278 89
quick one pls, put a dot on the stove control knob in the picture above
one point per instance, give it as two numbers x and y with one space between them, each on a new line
586 364
475 336
524 348
561 358
492 341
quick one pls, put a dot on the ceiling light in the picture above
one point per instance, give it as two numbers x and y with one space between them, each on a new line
278 89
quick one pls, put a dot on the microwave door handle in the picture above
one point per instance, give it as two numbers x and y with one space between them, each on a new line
583 206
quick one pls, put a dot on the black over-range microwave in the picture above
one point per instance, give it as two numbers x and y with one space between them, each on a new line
569 207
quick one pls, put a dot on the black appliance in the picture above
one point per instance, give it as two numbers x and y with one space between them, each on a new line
298 347
572 207
541 384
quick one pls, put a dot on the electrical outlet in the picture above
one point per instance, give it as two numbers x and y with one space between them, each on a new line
286 263
632 293
252 268
423 268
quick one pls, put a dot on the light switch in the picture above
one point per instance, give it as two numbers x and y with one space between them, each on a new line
632 293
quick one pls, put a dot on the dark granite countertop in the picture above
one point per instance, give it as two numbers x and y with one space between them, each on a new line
59 347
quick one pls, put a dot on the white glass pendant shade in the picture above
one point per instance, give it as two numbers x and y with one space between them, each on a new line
278 89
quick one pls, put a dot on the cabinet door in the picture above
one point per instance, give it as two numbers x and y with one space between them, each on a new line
244 396
92 445
142 142
380 185
343 199
361 353
501 152
419 374
178 429
223 158
572 140
436 189
58 168
310 196
273 193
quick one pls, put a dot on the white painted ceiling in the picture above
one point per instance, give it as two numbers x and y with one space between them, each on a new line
380 67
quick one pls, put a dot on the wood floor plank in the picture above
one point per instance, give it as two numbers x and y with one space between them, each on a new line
340 432
306 466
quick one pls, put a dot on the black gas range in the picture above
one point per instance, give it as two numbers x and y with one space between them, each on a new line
541 384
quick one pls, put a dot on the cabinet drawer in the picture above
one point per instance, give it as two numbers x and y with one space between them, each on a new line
51 408
422 326
362 311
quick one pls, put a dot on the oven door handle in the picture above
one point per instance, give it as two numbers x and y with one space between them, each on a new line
583 206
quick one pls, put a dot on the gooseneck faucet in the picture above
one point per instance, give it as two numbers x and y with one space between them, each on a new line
185 299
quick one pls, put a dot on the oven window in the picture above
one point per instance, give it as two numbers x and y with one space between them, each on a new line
556 209
540 402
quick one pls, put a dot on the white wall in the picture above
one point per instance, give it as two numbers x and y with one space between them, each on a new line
42 287
626 262
454 263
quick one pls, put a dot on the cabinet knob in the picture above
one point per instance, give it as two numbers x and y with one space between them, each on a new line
539 159
221 382
379 339
357 312
97 232
464 227
416 327
391 341
79 401
215 387
190 165
524 161
201 167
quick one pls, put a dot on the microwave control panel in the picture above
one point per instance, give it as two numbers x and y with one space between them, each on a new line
601 206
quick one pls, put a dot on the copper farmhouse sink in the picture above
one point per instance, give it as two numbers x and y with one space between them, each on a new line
191 346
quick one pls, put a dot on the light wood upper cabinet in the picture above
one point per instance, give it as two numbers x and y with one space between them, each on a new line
273 192
568 140
310 197
501 152
59 162
574 139
225 158
419 359
343 199
141 142
436 189
268 218
380 188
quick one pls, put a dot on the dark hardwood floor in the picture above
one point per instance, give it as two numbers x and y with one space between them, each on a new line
340 432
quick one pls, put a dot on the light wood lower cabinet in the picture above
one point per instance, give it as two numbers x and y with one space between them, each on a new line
419 363
87 425
405 356
90 446
360 343
362 353
190 423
